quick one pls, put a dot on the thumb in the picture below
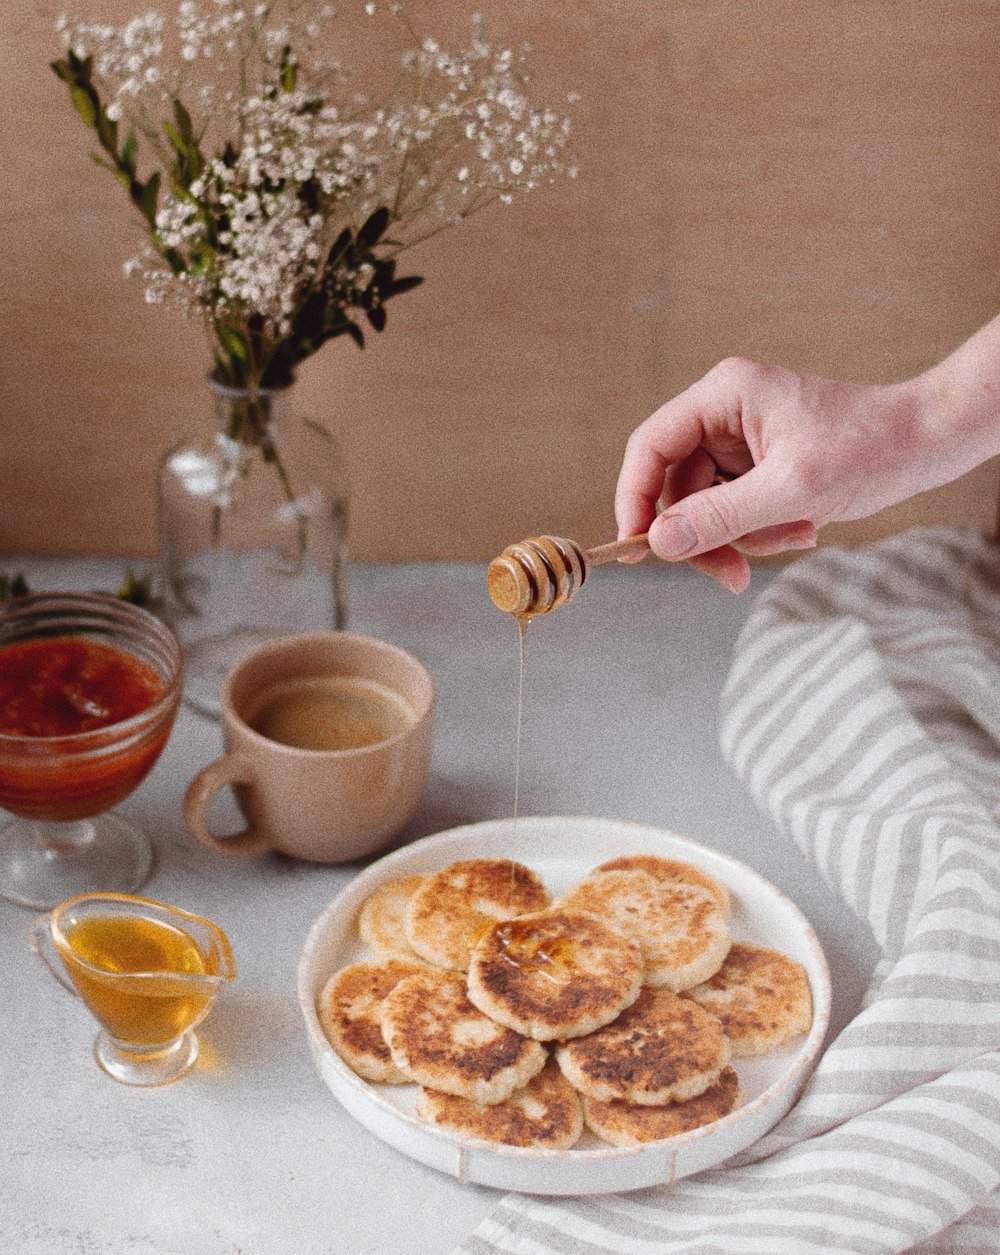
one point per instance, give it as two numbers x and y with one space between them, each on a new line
720 515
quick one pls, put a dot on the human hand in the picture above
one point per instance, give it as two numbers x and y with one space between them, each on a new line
798 451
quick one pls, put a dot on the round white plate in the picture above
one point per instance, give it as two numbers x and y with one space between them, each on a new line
562 850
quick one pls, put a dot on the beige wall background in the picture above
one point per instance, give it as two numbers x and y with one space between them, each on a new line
813 184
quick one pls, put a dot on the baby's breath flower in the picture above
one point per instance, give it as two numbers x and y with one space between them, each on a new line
281 154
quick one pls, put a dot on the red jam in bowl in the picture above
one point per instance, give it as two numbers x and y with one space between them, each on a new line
63 686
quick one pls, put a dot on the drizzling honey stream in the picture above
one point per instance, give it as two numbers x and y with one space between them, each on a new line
536 576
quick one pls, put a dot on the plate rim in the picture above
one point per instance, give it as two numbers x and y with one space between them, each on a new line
792 1077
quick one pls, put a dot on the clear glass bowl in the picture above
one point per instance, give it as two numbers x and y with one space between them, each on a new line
63 841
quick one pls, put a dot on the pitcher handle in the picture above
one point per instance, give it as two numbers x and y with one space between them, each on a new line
230 770
38 934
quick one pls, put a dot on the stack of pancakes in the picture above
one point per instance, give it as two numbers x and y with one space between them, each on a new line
617 1007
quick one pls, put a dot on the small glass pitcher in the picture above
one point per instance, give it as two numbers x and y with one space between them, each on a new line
147 972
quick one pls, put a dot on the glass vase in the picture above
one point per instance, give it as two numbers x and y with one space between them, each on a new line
252 533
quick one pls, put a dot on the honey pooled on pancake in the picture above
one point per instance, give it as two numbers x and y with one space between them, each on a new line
348 1010
656 1052
545 1113
554 974
454 907
439 1039
681 928
761 997
629 1124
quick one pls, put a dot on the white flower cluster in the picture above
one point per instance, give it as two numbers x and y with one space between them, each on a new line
498 141
299 155
127 56
200 34
270 244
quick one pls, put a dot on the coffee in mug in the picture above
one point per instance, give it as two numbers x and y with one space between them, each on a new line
329 712
327 747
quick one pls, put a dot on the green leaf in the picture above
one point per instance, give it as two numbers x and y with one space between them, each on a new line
174 260
288 71
350 329
176 139
190 163
81 67
233 343
62 69
374 228
385 272
338 248
107 133
310 319
87 105
309 194
376 316
406 284
147 197
134 589
127 156
183 119
202 259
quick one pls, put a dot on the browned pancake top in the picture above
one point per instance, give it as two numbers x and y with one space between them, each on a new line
669 870
432 1024
624 1123
556 967
758 992
351 1001
382 914
681 928
455 906
545 1112
654 1044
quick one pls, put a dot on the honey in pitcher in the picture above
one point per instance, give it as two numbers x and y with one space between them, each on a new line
150 1009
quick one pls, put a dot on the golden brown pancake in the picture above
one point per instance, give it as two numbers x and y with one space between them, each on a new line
380 920
449 913
554 974
669 870
761 997
439 1039
656 1052
348 1010
545 1112
681 929
629 1124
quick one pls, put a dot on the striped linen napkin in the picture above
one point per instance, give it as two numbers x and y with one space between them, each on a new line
863 711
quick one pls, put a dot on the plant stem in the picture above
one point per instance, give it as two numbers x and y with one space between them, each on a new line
250 424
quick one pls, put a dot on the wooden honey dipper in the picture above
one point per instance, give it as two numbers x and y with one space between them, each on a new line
536 575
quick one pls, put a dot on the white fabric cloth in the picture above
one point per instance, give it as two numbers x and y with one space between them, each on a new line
863 711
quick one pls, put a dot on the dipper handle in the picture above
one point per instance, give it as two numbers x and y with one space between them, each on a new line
618 549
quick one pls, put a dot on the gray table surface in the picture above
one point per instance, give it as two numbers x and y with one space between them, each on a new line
250 1154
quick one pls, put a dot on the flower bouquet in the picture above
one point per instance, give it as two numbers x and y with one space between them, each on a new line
279 196
276 196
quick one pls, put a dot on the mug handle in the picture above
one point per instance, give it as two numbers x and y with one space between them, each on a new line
38 935
229 770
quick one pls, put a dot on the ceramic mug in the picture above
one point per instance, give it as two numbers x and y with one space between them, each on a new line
327 745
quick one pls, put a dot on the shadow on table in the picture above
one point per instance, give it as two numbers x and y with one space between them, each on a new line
445 805
249 1031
